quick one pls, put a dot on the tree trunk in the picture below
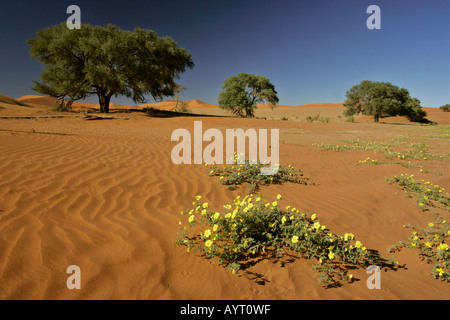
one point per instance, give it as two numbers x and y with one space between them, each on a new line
104 102
376 118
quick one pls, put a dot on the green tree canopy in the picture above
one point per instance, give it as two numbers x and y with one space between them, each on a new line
242 92
107 61
445 107
382 99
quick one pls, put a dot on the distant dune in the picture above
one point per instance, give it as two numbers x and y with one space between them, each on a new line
309 105
39 100
8 100
170 104
51 102
292 112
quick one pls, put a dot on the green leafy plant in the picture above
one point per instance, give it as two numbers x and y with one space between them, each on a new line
242 92
408 164
350 119
426 193
242 171
431 243
317 117
251 228
414 151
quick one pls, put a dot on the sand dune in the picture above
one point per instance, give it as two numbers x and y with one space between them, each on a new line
105 195
8 100
309 105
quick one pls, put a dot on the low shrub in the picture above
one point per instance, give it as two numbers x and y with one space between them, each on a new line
251 228
242 171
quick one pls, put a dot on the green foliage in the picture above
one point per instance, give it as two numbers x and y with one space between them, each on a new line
317 117
242 92
382 99
251 228
438 132
445 108
242 171
415 151
432 244
426 193
350 119
107 61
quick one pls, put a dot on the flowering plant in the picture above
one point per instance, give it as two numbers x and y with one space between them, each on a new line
251 227
241 171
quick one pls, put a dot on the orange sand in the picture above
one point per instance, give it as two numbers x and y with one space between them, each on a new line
104 195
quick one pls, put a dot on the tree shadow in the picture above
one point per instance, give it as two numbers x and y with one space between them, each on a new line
157 113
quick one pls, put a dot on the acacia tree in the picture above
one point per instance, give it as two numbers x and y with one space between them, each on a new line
178 91
107 61
445 108
382 99
242 93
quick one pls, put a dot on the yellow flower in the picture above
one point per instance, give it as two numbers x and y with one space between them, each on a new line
191 218
198 197
358 244
205 205
348 236
421 204
207 233
216 215
313 217
316 225
430 224
283 220
204 212
294 239
440 270
208 243
279 196
427 244
331 255
442 246
274 203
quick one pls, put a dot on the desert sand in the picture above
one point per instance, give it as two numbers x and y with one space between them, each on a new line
103 194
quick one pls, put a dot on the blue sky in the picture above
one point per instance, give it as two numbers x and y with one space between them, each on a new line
312 51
